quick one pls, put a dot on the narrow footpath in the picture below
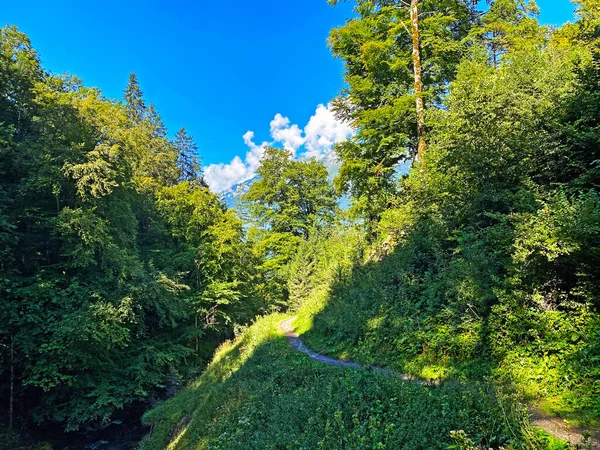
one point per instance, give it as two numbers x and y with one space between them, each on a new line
551 425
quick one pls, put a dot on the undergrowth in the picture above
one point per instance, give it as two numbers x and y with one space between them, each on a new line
259 393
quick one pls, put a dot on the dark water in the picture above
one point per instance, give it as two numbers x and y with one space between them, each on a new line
115 437
124 433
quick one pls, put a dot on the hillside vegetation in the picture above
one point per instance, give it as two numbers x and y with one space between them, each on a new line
479 268
120 272
259 393
469 255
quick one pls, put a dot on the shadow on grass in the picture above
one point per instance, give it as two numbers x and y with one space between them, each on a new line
382 314
428 313
261 393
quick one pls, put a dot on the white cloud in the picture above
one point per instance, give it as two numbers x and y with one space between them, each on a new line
289 136
322 131
317 138
221 177
255 153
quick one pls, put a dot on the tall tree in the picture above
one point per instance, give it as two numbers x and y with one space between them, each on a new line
416 55
291 196
212 259
134 99
289 200
188 161
153 153
399 58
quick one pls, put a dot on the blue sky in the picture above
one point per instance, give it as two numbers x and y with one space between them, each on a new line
217 68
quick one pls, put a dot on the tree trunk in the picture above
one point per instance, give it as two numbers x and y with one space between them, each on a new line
416 55
197 340
12 383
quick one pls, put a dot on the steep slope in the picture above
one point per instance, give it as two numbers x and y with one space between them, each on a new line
260 393
232 197
554 426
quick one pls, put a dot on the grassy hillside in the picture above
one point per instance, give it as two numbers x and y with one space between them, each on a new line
486 269
259 393
548 356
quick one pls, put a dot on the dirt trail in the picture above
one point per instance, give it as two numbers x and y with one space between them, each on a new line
561 430
551 425
297 344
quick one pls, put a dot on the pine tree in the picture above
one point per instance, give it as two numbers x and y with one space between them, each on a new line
188 161
159 130
134 100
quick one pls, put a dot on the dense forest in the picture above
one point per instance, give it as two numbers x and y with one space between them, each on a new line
121 271
466 269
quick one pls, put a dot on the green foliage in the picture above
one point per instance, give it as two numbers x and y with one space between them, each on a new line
290 196
134 101
187 158
119 269
490 272
8 438
325 259
492 243
259 393
379 99
114 278
289 202
213 258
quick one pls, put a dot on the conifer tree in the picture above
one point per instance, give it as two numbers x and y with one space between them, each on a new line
187 158
134 100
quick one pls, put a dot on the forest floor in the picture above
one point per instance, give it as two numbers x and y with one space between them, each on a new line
578 437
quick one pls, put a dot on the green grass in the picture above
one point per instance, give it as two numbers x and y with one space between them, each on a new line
199 401
258 393
380 314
